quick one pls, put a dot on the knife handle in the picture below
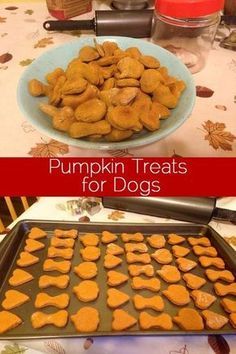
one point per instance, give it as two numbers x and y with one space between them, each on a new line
69 25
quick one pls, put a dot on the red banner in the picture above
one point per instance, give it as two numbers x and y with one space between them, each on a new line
118 176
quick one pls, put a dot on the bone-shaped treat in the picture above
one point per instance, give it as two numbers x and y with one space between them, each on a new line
154 302
212 261
26 259
136 247
203 241
162 321
223 290
135 270
40 319
137 237
66 253
214 275
60 301
152 284
204 251
66 233
138 258
60 266
62 242
60 281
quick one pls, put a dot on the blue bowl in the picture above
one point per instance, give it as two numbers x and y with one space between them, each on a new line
62 55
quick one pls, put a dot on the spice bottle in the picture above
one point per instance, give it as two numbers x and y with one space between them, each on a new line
187 28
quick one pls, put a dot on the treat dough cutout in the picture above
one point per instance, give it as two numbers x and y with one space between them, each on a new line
152 284
114 249
185 264
202 299
174 239
89 239
86 270
162 321
228 305
36 233
111 261
212 261
136 247
138 258
203 241
162 256
232 318
60 281
214 275
58 319
26 259
156 241
90 253
137 237
8 321
122 320
60 266
214 320
43 300
154 302
177 294
66 233
135 270
116 278
62 242
86 291
108 237
14 298
86 319
66 253
205 251
180 251
189 320
19 277
223 290
169 273
193 281
33 245
116 298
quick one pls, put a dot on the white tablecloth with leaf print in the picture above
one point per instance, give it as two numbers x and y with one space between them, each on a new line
210 131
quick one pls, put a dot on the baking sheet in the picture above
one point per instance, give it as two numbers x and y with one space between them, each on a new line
9 253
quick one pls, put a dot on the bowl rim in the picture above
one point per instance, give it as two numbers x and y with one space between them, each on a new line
103 145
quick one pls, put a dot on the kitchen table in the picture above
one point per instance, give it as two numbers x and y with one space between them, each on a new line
54 208
210 130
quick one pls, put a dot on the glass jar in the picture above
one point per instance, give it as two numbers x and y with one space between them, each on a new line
187 28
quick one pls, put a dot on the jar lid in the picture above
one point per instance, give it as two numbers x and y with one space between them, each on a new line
188 8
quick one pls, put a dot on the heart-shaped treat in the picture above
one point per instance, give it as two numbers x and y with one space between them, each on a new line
162 256
228 305
33 245
202 300
174 239
19 277
180 251
114 249
26 259
116 298
193 281
185 264
111 261
116 278
177 294
8 321
36 233
189 320
122 320
214 320
108 237
14 298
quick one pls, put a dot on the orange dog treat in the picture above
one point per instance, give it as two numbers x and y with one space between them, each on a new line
89 239
154 302
114 249
36 233
135 270
19 277
86 319
33 245
108 237
204 251
193 281
116 298
66 253
122 320
202 300
185 264
203 241
214 275
86 291
14 298
212 261
189 320
179 251
66 233
228 305
156 241
174 239
86 270
58 319
162 256
111 261
214 320
26 259
177 294
62 242
43 300
60 281
162 321
8 321
152 284
61 266
169 273
90 253
223 290
232 318
136 247
138 258
137 237
116 278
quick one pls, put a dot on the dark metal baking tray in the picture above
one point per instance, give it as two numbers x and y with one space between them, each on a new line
15 242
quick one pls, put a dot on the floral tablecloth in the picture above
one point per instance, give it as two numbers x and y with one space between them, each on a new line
48 208
210 131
